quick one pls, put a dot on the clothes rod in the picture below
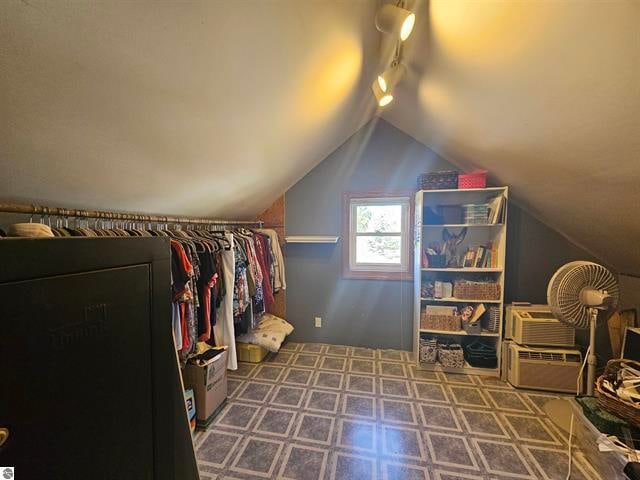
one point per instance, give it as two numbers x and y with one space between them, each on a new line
133 217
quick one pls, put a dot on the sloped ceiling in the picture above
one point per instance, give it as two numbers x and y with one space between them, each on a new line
198 107
546 96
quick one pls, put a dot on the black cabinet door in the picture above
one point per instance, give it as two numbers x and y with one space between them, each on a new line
75 375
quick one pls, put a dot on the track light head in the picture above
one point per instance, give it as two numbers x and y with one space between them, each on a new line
390 77
382 98
395 20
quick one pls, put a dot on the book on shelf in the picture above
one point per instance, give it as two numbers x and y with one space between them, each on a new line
495 209
483 256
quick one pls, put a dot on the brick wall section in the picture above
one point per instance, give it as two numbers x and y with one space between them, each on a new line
273 217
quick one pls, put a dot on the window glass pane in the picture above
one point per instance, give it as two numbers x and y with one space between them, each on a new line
373 249
379 218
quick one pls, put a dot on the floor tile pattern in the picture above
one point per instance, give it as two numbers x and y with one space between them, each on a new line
332 412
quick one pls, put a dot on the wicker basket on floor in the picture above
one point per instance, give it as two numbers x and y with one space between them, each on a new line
612 403
451 356
428 351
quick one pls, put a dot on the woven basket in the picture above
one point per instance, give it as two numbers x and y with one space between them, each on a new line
451 356
476 290
492 319
428 351
438 180
447 323
611 403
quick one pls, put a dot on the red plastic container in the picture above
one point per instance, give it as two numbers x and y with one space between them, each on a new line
473 180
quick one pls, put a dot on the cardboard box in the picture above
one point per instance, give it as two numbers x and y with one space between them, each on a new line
209 383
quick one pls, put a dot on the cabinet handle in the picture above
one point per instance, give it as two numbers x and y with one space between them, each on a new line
4 436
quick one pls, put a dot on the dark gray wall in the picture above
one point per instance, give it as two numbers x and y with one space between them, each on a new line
534 253
379 313
354 312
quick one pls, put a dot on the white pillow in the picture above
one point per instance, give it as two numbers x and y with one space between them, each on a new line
271 322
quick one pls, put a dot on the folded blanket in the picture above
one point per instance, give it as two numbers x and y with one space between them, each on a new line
270 333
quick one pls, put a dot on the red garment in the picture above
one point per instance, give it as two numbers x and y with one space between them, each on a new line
206 335
261 254
183 324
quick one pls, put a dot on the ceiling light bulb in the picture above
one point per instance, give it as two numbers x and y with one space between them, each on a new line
383 98
382 83
386 100
407 27
395 20
391 76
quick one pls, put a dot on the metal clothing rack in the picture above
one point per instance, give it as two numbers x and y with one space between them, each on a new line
45 211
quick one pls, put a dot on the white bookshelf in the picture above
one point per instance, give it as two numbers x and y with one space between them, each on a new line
477 234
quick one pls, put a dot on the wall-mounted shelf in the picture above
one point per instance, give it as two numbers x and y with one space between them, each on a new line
311 239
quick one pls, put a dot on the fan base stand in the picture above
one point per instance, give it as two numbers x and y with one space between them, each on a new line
591 359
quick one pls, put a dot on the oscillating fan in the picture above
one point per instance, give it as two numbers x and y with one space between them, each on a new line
580 294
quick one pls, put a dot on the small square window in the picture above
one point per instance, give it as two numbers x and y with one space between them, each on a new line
378 236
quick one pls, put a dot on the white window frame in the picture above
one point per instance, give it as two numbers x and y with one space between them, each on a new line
404 234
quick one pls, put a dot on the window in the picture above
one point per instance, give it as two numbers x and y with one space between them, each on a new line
378 236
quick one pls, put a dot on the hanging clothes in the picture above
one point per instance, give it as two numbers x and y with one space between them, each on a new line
224 330
222 283
263 264
279 281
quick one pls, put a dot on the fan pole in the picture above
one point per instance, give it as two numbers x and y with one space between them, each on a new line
591 360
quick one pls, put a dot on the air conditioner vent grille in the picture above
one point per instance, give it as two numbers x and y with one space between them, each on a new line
545 356
547 333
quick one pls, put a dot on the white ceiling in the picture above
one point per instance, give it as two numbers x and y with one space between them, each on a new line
197 107
546 96
216 107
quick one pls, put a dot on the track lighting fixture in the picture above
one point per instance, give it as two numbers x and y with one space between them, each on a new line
382 97
390 77
395 20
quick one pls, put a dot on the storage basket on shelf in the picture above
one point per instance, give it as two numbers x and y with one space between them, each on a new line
465 289
450 355
428 350
491 319
473 179
481 355
449 323
471 328
437 261
444 180
611 402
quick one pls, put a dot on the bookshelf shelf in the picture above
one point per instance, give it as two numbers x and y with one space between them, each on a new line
464 190
480 237
467 369
457 300
459 333
463 225
466 269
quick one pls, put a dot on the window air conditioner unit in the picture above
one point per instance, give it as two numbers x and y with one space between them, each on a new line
537 326
551 369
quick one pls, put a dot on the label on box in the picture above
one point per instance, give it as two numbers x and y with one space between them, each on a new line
211 372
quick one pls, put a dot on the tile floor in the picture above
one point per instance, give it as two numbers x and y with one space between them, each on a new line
316 412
